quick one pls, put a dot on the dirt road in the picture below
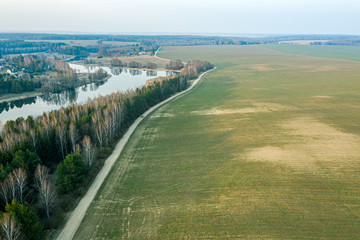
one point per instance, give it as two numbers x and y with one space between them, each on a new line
156 56
78 214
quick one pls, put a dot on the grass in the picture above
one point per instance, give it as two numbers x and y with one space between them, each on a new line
16 96
265 147
338 52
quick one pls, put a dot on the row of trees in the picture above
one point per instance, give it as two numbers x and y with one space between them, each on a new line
21 47
148 41
174 65
111 48
67 143
115 62
194 67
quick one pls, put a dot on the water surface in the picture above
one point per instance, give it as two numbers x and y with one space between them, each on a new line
120 80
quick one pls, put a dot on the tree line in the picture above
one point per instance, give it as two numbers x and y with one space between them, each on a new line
174 65
194 67
11 84
21 47
115 62
46 162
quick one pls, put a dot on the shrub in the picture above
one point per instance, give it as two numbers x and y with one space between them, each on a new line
70 173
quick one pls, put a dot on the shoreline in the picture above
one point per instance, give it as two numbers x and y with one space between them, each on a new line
144 69
36 94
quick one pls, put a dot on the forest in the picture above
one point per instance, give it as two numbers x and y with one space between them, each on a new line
160 40
11 84
48 161
40 72
21 47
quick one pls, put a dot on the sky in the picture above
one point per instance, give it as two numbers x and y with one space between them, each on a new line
181 16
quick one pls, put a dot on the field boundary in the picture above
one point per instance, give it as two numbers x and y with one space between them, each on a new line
156 56
160 58
79 212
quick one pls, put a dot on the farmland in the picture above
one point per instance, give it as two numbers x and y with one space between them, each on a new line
336 52
265 147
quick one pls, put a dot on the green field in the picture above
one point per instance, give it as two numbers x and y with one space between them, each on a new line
338 52
265 147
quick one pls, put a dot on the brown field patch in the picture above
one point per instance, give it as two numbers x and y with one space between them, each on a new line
162 115
311 142
260 67
324 69
258 108
323 97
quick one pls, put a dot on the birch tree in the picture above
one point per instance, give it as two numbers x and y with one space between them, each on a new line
9 227
32 137
61 134
12 186
99 134
47 197
20 177
41 174
89 151
5 191
74 136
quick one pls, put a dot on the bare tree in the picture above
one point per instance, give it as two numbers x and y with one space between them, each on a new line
106 129
47 197
73 135
32 136
12 186
89 151
9 227
20 180
99 133
5 191
41 174
61 134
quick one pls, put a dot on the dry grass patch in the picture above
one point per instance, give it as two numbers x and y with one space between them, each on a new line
258 108
260 67
323 97
163 115
325 69
311 142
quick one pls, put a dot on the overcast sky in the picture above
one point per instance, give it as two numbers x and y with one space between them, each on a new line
181 16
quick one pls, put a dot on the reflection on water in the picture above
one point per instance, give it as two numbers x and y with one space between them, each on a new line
61 98
116 71
121 79
135 72
151 73
6 106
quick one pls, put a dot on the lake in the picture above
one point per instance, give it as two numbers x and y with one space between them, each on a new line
120 80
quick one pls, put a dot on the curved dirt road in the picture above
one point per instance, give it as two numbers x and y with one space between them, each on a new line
156 56
78 214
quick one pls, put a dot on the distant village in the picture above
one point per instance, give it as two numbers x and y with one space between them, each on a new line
11 69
